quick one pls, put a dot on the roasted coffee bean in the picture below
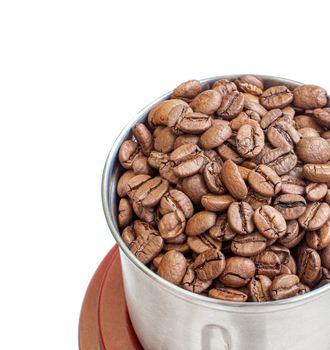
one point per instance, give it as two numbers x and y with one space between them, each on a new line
265 181
319 239
314 150
308 132
248 245
128 153
259 288
172 224
194 123
250 84
216 203
282 135
182 238
216 135
309 97
292 185
151 191
184 139
316 191
240 217
156 261
306 121
256 200
181 247
238 272
228 294
270 117
233 180
291 206
325 257
244 118
175 200
140 165
166 171
200 222
228 151
244 172
293 235
187 90
155 159
173 267
315 216
134 183
188 160
221 230
146 247
224 86
209 264
317 172
211 174
268 264
125 212
284 286
322 116
309 266
165 140
206 102
231 105
144 138
203 242
250 140
303 289
192 283
194 187
255 107
145 214
250 98
269 222
122 187
276 97
281 160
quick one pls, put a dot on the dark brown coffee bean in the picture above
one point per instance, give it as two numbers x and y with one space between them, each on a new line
309 266
221 230
216 135
188 160
322 116
167 113
248 245
192 283
122 187
325 257
238 272
240 217
128 153
194 123
231 105
128 235
194 187
314 150
276 97
228 151
188 90
250 84
270 117
144 138
319 239
134 183
282 135
256 200
281 160
315 216
155 159
255 107
175 200
151 191
172 224
164 141
284 286
269 222
184 139
233 181
259 288
316 191
166 171
268 264
265 181
146 247
293 235
199 244
250 140
317 172
206 102
125 212
140 165
173 267
228 294
216 203
292 185
244 118
145 214
291 206
200 222
224 86
181 247
211 174
309 97
209 264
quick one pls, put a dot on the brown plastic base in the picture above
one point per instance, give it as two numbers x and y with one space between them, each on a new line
104 320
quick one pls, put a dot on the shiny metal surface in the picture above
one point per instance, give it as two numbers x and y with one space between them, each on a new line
167 317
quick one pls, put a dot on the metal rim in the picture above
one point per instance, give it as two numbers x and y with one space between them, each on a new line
173 289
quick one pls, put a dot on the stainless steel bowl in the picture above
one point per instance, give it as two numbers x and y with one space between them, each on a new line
167 317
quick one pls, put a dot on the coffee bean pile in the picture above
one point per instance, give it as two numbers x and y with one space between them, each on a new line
225 189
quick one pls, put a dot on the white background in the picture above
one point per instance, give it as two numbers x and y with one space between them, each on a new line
72 74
